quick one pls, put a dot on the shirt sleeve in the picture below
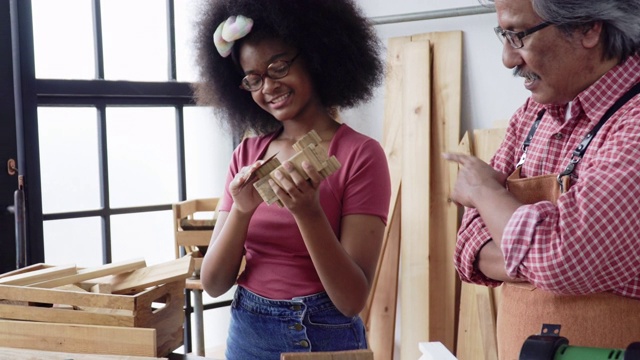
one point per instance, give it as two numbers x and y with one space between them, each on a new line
473 234
589 242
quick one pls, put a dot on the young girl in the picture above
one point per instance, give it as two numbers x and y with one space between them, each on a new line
278 69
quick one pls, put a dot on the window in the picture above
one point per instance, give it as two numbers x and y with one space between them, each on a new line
111 134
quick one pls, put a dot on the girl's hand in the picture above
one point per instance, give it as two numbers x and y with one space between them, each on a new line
245 197
298 195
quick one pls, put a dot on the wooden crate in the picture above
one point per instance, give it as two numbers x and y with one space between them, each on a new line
144 319
193 235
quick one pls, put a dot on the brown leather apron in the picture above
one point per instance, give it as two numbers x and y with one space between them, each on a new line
596 320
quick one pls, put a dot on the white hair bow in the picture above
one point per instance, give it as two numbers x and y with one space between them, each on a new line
230 30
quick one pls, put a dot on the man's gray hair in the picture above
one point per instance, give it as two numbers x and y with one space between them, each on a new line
620 19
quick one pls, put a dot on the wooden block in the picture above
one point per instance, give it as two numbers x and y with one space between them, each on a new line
330 355
141 279
86 339
266 192
93 273
308 149
267 167
311 138
40 275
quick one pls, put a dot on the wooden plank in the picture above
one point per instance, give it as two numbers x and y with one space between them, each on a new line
26 354
469 341
93 273
486 142
484 145
140 279
416 133
85 339
379 315
54 296
446 82
331 355
477 323
193 237
36 276
38 266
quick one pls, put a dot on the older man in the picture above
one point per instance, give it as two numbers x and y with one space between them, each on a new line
553 217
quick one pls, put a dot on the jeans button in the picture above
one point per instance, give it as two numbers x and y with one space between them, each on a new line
296 308
298 327
304 343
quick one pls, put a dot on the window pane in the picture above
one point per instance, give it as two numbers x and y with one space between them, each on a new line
69 161
208 151
185 15
145 235
63 39
142 156
74 241
135 40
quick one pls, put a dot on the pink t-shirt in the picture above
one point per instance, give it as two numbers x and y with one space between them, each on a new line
278 265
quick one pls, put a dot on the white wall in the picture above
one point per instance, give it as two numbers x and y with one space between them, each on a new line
489 92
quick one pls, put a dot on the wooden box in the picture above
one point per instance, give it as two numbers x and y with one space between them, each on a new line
141 320
193 235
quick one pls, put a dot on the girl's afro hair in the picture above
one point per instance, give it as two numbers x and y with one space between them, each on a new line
340 47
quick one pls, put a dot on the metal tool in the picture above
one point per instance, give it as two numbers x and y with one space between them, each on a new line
552 346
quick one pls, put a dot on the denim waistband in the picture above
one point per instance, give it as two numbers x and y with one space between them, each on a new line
297 305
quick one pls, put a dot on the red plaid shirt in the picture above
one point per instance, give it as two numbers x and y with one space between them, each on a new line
590 241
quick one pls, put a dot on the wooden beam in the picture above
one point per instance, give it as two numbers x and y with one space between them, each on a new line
379 315
86 339
416 154
446 83
36 276
93 273
149 276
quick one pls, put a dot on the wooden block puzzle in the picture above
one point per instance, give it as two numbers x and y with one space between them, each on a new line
308 149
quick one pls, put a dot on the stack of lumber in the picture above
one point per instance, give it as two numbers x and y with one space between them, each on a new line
124 308
421 121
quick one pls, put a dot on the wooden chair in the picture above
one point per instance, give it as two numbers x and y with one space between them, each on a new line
192 236
330 355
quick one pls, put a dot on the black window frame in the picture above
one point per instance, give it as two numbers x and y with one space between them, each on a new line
28 93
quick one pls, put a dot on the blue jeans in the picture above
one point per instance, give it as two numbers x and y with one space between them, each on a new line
262 328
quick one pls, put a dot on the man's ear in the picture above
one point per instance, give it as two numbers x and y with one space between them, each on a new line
591 35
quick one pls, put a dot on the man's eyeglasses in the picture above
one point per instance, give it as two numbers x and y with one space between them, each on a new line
276 70
515 38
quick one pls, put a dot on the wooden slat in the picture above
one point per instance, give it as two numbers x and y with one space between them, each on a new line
140 279
36 276
446 82
86 339
65 315
26 354
477 323
193 237
54 296
93 273
380 313
38 266
415 264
